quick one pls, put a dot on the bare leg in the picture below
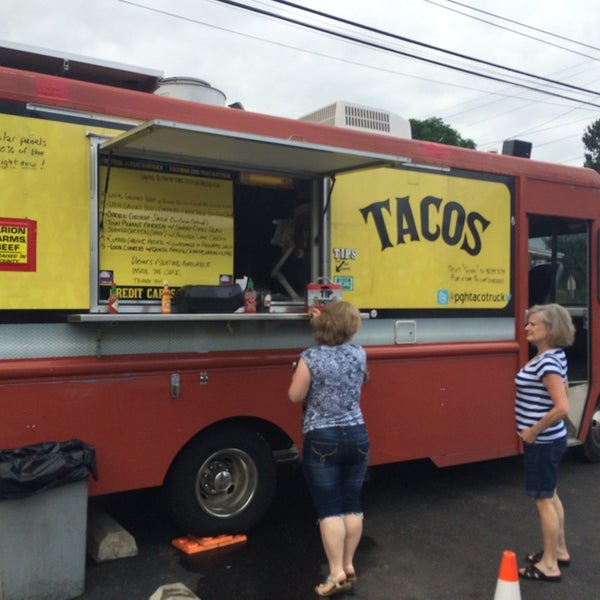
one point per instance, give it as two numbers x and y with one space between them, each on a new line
333 535
561 549
354 527
550 524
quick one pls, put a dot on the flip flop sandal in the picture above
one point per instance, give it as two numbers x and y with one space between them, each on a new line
534 574
536 557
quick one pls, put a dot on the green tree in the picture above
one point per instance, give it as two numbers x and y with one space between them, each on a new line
435 130
591 141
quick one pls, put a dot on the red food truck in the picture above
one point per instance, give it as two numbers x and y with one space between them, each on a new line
107 182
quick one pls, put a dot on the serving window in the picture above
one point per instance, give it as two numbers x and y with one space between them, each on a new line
193 205
188 225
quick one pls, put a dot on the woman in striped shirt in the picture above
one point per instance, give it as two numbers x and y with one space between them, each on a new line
540 408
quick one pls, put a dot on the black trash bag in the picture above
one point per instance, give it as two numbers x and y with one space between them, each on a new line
33 469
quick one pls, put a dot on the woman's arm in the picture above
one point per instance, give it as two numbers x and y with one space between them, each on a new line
300 383
558 393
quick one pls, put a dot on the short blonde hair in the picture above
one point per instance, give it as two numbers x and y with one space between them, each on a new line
336 324
559 323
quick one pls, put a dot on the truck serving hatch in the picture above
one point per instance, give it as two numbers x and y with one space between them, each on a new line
189 144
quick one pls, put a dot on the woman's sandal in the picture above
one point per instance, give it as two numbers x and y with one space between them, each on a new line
536 557
534 574
350 574
333 586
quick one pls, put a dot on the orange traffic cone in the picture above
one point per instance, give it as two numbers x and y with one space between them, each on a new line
507 587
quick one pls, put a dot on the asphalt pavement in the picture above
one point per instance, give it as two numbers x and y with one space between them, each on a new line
429 534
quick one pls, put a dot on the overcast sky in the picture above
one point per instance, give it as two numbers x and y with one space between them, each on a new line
284 69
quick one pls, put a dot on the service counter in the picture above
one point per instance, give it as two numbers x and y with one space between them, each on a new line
125 317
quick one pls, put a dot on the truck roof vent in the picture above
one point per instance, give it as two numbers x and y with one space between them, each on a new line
355 116
190 88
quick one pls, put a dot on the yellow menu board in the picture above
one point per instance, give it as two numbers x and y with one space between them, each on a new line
417 240
161 222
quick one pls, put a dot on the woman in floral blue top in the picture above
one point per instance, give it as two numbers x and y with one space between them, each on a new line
335 453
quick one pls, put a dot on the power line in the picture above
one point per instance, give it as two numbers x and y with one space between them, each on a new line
378 31
539 128
554 35
381 47
351 38
408 54
527 102
401 38
316 53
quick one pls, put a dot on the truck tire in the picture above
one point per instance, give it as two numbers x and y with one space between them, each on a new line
223 481
591 446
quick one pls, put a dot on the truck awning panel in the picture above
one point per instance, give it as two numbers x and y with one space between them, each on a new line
183 143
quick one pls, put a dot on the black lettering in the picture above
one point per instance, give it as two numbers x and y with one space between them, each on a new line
457 226
376 210
405 221
9 229
426 204
473 219
454 217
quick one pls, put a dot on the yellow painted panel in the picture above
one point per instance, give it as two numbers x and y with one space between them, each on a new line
45 182
407 239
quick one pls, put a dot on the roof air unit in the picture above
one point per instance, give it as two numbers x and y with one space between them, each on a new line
364 118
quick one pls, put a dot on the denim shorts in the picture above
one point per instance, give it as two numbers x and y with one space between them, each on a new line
541 467
335 461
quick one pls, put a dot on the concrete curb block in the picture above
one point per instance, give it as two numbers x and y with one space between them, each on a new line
106 539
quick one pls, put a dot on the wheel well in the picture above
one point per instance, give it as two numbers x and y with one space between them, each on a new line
275 437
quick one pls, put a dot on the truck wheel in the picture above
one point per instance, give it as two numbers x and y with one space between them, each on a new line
591 446
222 482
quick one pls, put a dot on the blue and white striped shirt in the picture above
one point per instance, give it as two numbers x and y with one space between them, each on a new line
533 400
